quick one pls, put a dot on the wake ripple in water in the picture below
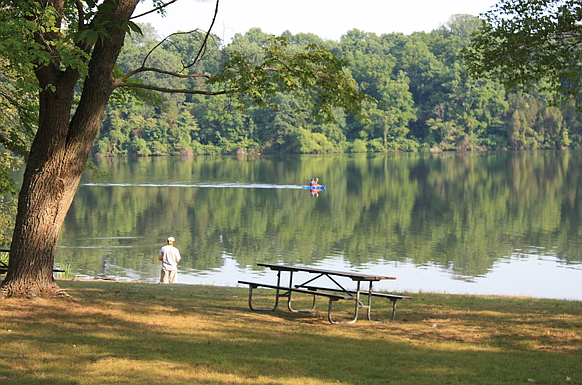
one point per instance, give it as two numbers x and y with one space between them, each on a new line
212 185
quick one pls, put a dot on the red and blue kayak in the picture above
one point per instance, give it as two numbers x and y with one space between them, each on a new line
319 187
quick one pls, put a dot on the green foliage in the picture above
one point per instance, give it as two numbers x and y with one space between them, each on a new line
21 25
302 141
314 75
358 145
18 112
420 93
7 213
531 44
266 99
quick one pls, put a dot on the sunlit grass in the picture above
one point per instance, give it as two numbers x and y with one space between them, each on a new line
156 334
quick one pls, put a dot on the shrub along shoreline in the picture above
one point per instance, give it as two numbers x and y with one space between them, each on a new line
116 332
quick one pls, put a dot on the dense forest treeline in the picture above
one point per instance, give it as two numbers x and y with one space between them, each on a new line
426 102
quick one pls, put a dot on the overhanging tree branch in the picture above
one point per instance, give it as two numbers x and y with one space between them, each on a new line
159 8
203 46
168 90
160 71
205 42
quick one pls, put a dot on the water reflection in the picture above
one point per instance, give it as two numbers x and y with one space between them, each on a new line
448 222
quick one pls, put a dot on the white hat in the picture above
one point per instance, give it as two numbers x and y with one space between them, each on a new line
171 239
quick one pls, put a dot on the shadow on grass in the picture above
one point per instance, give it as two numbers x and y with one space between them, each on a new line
139 333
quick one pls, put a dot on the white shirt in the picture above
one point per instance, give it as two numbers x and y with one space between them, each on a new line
170 257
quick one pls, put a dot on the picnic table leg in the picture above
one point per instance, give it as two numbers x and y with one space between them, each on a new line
290 307
277 295
299 310
251 288
393 300
393 316
357 306
330 318
369 307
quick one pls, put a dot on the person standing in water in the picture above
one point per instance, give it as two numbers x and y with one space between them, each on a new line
170 256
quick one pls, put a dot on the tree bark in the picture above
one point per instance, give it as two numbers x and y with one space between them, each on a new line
57 159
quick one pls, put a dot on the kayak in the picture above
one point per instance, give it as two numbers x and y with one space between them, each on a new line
314 187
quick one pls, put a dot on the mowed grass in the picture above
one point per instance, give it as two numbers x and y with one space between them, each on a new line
136 333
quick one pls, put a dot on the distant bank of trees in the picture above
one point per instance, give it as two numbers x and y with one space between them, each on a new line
426 102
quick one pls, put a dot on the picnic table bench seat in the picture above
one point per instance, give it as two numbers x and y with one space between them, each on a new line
4 269
331 296
4 266
392 297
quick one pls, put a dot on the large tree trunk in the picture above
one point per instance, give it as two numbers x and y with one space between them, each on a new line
57 159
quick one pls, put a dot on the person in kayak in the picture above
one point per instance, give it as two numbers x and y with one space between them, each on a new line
314 184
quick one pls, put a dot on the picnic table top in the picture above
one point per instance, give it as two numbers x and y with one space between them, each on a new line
352 275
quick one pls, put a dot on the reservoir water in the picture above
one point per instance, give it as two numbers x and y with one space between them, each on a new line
507 223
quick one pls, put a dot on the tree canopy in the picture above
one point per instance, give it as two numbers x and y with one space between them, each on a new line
426 101
533 44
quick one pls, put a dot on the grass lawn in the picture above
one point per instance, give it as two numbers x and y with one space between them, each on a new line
136 333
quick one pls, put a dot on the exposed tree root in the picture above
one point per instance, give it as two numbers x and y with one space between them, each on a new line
62 293
49 290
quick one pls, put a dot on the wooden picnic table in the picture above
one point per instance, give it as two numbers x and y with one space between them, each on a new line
335 293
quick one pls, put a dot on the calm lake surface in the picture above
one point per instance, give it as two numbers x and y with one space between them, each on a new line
507 223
